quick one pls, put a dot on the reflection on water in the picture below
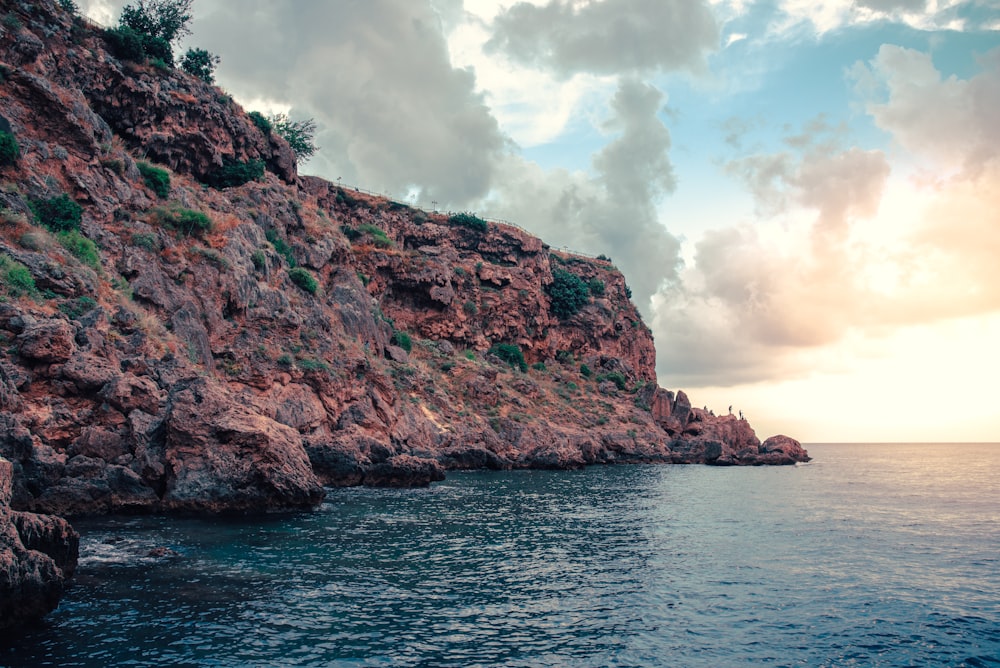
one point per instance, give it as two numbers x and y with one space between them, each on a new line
867 556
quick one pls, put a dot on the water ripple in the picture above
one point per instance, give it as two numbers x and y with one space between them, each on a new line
861 559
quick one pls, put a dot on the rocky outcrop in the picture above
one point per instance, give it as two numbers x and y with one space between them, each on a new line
37 555
219 455
200 370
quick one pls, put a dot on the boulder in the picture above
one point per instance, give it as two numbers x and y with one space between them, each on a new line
47 341
782 450
221 455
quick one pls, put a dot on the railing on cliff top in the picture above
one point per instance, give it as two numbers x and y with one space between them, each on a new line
566 250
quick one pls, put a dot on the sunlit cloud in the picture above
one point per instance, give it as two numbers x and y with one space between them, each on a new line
735 37
876 246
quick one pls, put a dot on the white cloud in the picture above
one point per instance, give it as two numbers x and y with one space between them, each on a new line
735 37
828 15
612 212
951 122
104 12
532 106
866 248
606 36
393 113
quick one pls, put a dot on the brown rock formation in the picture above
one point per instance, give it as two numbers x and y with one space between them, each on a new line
37 554
190 372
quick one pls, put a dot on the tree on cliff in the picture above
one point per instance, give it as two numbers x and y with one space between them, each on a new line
567 292
200 63
298 134
164 19
149 28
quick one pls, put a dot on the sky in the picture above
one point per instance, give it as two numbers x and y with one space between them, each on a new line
804 196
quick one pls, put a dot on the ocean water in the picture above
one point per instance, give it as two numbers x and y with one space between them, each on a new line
871 555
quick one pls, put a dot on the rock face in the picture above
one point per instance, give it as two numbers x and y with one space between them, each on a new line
197 370
37 554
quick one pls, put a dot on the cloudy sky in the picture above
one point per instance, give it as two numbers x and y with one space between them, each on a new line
803 194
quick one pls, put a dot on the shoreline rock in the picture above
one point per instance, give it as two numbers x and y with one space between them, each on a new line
38 554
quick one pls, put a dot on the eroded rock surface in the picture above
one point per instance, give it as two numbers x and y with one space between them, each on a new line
38 554
190 372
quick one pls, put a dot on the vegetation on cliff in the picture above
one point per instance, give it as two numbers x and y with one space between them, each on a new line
167 346
170 346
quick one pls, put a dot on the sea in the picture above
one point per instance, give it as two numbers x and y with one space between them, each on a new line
870 555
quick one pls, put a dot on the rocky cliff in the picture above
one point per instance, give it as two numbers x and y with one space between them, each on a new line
189 325
235 339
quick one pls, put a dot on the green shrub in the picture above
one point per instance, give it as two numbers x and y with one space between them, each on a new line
511 354
200 63
81 247
69 6
567 292
260 120
284 250
628 292
35 241
125 43
259 260
312 364
158 49
596 286
585 371
157 179
470 308
16 278
114 164
304 279
470 355
75 308
235 173
147 241
402 339
470 220
378 235
538 366
615 377
9 150
57 214
285 360
212 256
564 356
185 221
